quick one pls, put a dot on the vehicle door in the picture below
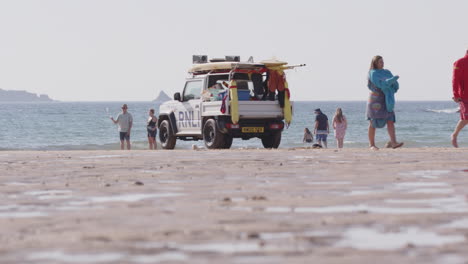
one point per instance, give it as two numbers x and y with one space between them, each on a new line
188 116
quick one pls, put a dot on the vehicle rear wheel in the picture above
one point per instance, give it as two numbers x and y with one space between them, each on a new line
212 137
272 141
227 141
168 140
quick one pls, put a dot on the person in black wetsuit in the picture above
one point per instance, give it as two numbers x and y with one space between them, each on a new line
152 129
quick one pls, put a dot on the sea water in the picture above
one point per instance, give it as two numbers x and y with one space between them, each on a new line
86 125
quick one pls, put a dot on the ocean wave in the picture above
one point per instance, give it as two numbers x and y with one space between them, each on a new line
444 111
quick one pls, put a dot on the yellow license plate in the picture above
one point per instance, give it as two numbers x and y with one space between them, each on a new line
253 130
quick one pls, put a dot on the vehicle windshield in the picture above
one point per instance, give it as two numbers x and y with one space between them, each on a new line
192 90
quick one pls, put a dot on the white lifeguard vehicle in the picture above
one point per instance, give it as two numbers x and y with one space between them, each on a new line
225 99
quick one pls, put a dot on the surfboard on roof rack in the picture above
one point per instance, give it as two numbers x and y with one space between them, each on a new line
223 65
273 63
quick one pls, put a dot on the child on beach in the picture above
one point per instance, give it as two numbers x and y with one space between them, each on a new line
308 137
339 125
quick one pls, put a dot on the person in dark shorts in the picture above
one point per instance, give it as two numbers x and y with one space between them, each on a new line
322 128
460 94
125 122
152 130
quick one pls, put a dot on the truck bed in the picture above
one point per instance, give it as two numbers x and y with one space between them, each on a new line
247 109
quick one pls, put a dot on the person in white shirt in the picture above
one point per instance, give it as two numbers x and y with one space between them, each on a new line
125 122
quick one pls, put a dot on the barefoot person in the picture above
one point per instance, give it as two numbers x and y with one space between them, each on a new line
152 129
460 94
321 129
125 122
339 125
383 86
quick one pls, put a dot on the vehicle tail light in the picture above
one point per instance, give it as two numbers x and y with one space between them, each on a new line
277 126
232 126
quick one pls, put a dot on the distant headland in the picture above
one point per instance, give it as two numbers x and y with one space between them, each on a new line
22 96
162 97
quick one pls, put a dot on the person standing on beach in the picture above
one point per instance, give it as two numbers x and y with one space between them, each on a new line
322 128
383 86
460 94
152 129
339 124
125 122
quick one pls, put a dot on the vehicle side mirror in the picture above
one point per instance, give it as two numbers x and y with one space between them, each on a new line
177 97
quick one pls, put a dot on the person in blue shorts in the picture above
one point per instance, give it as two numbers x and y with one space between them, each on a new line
322 128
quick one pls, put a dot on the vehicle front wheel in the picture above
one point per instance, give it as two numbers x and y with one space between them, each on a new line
212 137
168 140
272 141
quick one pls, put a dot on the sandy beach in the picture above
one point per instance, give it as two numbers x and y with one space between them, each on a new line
235 206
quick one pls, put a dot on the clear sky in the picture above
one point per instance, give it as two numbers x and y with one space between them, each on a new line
113 50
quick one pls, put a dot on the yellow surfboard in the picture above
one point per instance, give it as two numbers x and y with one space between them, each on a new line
287 106
234 102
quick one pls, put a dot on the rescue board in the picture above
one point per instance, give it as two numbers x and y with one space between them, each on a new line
234 102
273 63
224 65
287 107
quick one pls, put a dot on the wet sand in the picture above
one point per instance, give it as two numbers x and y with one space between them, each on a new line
235 206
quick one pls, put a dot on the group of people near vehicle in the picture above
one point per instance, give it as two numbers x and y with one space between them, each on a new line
322 129
380 106
125 122
380 110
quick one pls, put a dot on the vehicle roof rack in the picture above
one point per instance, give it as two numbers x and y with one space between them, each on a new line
197 59
217 60
233 58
